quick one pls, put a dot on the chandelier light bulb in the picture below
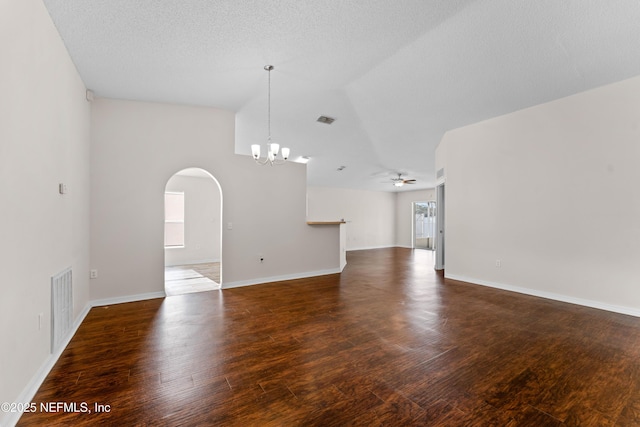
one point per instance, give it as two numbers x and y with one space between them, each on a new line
255 151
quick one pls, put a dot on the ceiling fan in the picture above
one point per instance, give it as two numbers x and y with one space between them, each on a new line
399 181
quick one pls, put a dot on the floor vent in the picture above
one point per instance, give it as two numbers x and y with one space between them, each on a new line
61 308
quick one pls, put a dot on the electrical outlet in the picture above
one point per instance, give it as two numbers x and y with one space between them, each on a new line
93 274
498 263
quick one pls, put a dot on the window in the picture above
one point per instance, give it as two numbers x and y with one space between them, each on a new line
173 220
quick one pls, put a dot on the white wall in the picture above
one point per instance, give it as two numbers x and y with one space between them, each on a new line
404 214
370 215
137 147
201 223
44 140
552 192
375 219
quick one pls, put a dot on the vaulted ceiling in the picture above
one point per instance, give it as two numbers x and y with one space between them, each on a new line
396 75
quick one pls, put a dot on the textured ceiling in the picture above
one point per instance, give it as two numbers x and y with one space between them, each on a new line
396 75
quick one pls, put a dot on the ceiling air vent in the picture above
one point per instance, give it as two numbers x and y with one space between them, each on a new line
326 120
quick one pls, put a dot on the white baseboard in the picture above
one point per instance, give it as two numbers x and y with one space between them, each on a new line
10 419
549 295
32 387
261 280
36 381
366 248
127 298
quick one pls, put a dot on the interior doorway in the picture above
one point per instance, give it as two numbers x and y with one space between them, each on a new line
440 228
192 233
424 225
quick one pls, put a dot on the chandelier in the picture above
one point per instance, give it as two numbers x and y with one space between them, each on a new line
272 148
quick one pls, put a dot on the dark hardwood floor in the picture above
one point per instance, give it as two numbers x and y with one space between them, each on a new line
387 342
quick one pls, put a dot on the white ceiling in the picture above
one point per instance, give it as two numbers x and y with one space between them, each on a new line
396 74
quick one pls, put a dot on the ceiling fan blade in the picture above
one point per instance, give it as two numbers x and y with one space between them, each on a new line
409 181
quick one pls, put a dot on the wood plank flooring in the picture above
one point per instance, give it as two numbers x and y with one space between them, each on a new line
186 279
388 342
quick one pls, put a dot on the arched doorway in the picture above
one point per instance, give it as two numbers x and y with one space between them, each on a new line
192 232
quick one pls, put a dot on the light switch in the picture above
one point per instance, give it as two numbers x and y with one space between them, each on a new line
229 226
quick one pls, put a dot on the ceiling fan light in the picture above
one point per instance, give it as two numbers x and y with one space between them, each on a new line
398 183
